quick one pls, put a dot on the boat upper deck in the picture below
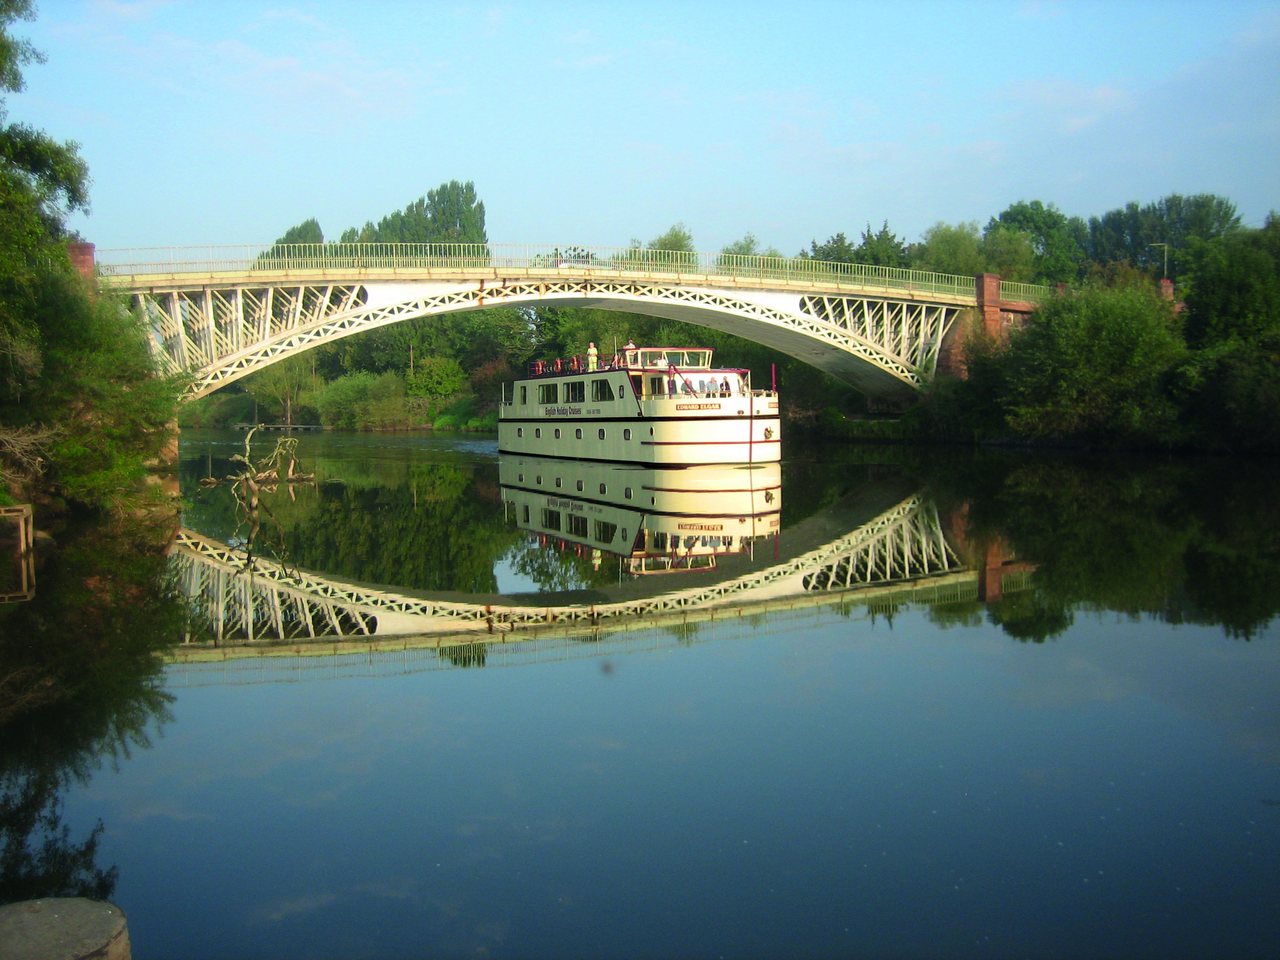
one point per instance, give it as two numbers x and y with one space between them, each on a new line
631 359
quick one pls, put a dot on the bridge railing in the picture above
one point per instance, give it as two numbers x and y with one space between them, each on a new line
1024 292
571 260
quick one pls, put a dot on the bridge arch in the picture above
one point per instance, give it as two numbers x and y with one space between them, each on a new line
879 329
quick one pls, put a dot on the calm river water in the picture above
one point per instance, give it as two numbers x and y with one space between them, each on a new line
1060 738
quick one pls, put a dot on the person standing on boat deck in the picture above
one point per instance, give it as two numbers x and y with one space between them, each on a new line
724 387
592 356
629 352
671 384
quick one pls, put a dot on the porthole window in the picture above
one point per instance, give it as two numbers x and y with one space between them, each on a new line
559 483
578 434
537 432
602 488
539 479
601 433
519 431
627 493
651 431
626 434
557 433
580 486
520 478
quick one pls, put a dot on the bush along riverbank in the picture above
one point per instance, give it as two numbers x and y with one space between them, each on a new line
1115 367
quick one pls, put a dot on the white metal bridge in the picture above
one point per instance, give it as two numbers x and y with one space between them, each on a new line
241 599
220 313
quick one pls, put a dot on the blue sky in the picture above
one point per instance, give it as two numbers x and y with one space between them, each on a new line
595 123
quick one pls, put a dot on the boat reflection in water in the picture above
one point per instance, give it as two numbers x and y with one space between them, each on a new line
660 521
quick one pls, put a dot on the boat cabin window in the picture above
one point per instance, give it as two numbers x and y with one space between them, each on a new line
548 393
577 525
524 394
656 388
575 391
600 390
605 531
684 359
550 518
636 380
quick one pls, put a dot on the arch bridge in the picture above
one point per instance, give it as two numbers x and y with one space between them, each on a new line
221 313
243 599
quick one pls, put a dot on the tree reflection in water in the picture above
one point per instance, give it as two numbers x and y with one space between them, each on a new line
1184 541
80 683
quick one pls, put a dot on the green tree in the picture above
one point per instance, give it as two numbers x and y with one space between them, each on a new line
836 249
281 385
1146 235
437 378
951 249
40 182
749 246
677 237
1058 241
451 213
1009 252
884 248
1233 285
308 231
1093 367
78 395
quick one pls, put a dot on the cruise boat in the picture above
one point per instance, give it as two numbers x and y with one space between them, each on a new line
658 406
658 520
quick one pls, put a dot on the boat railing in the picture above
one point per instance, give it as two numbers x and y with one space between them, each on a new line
559 366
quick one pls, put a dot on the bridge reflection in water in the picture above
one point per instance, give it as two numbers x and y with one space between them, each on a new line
690 545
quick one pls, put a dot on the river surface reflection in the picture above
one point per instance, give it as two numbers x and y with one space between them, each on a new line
941 706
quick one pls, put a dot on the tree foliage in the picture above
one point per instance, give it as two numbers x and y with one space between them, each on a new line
836 249
884 248
308 231
1057 241
1148 234
951 249
75 368
1093 367
451 213
1233 285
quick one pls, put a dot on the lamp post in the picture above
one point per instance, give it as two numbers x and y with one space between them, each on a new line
1166 257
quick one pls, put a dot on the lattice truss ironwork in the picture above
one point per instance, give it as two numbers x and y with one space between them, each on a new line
200 331
909 330
910 550
222 334
254 599
241 600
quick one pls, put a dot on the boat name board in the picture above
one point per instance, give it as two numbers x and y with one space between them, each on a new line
698 406
700 526
563 411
